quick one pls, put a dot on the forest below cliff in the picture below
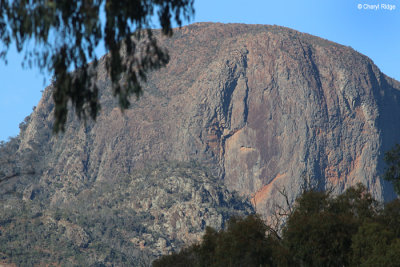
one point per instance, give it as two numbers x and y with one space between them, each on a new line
351 229
240 113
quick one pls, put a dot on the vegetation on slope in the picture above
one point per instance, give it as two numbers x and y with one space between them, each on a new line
128 223
351 229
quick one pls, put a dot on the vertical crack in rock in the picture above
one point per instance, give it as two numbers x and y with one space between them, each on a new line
252 102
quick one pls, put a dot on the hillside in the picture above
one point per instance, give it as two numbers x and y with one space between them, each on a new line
259 108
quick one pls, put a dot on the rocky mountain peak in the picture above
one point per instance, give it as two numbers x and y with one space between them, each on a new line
264 108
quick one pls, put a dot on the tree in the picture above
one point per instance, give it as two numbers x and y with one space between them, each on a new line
375 245
243 243
391 216
320 229
392 173
67 32
350 229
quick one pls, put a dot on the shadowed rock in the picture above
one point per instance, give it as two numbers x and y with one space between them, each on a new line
261 106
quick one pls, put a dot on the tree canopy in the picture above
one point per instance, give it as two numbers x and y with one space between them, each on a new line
392 174
351 229
66 33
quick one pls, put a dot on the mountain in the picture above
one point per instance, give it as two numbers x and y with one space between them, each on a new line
250 109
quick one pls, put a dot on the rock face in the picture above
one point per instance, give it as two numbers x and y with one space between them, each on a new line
261 106
155 211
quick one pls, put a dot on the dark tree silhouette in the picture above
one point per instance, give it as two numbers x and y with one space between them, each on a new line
392 174
66 33
351 229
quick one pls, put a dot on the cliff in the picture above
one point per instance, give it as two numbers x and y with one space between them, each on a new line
262 107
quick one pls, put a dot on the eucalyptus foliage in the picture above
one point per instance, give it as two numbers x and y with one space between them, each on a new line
392 174
65 34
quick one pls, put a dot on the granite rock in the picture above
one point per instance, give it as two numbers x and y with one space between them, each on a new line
263 107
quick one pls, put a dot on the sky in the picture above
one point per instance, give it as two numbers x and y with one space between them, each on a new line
372 27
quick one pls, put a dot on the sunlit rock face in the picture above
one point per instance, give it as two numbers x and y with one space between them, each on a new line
248 108
265 107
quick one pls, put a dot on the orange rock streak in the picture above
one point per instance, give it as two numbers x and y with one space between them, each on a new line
263 193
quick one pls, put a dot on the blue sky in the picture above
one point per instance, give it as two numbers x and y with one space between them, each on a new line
375 33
